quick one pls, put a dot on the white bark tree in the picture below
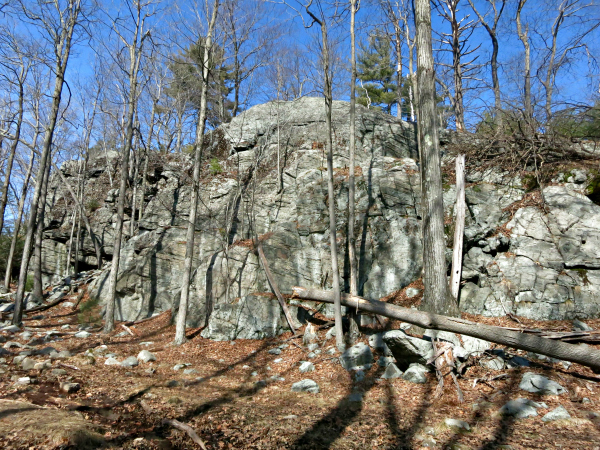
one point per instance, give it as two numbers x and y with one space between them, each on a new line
133 43
191 229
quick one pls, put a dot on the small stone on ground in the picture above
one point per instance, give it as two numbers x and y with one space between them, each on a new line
306 385
539 384
559 413
416 373
306 366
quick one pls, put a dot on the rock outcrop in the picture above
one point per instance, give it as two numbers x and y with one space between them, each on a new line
264 176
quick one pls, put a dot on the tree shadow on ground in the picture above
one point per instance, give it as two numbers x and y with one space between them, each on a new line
329 428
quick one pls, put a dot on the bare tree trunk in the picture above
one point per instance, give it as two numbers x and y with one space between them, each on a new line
71 236
15 237
147 156
459 227
436 296
135 55
354 319
11 155
134 182
337 307
457 67
492 31
62 48
189 247
37 294
584 355
527 75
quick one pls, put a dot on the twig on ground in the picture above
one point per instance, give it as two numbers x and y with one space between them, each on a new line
128 329
189 430
68 366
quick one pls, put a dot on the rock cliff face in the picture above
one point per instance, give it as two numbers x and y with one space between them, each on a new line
264 175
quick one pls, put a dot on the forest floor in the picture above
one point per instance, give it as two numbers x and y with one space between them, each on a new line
229 408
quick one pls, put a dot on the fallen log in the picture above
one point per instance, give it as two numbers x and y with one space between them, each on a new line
583 355
48 306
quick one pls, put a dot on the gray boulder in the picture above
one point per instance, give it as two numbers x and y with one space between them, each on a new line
559 413
376 341
520 408
310 334
130 361
578 325
538 384
474 346
391 371
306 366
456 423
306 385
7 307
28 364
416 373
444 336
145 356
408 349
385 361
356 356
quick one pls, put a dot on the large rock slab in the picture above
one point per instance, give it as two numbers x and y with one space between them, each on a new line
252 317
540 264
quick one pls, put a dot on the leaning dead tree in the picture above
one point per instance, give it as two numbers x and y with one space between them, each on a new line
583 355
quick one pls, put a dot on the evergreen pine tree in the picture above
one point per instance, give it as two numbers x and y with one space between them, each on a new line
186 70
376 74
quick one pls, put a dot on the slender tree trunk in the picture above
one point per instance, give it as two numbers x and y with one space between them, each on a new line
11 157
457 68
15 237
436 295
354 319
496 82
62 49
37 294
134 183
189 248
135 55
70 250
411 72
549 81
337 306
498 119
527 61
147 157
398 45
